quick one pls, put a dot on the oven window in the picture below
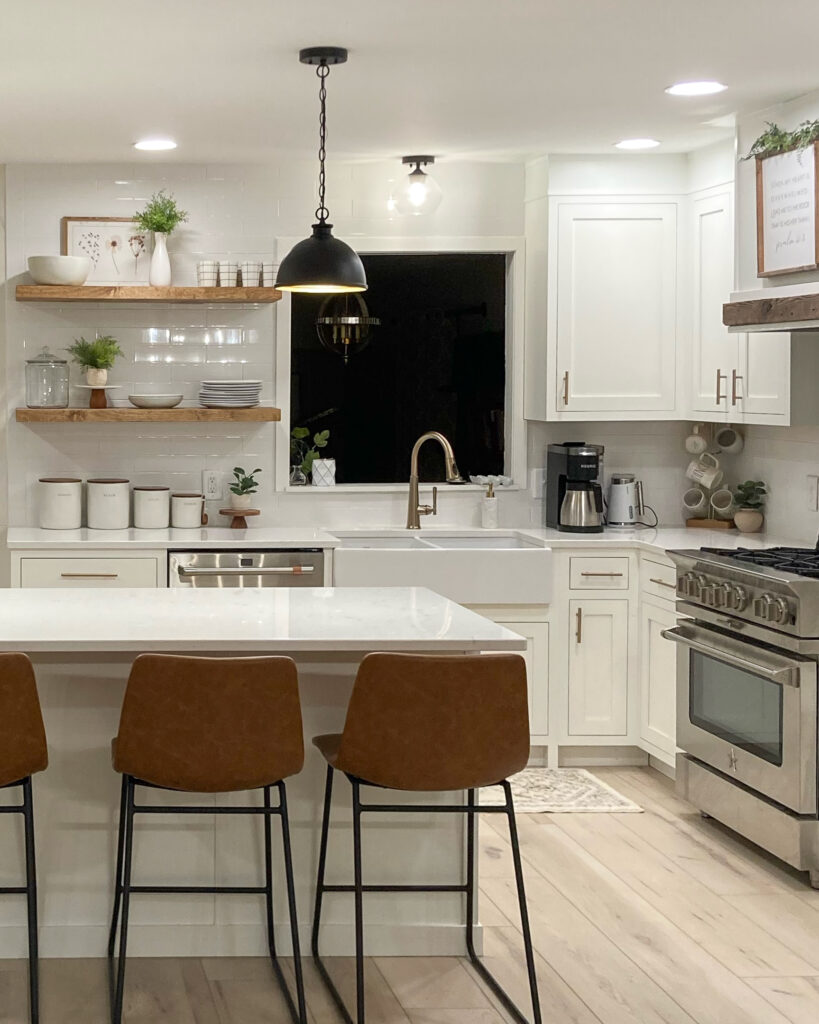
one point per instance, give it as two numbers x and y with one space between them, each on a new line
741 708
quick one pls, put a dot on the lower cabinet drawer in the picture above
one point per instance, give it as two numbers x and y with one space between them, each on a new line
658 579
594 573
88 572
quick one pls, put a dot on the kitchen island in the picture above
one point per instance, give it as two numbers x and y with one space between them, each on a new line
82 646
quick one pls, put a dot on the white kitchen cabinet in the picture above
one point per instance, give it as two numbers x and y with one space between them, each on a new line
598 667
658 669
73 569
612 318
530 623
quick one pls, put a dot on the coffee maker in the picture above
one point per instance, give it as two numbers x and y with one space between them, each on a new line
574 497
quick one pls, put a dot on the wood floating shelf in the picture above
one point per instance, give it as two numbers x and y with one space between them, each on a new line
259 414
100 293
780 312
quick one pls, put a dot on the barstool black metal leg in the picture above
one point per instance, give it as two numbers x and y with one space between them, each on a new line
524 912
125 889
31 896
291 904
268 878
359 903
112 934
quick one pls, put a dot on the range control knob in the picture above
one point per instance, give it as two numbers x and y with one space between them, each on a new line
708 595
764 607
723 595
780 612
738 600
685 585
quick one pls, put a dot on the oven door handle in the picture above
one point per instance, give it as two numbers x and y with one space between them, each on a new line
783 674
270 570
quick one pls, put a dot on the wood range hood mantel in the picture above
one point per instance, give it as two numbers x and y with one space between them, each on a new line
774 313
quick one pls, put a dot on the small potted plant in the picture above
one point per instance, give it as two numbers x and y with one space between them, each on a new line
161 216
243 486
750 497
96 358
303 454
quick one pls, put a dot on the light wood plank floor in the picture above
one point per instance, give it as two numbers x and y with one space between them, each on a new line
654 918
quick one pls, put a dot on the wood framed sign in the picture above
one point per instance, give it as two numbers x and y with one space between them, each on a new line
120 253
787 207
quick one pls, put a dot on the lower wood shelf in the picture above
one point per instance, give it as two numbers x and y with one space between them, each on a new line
259 414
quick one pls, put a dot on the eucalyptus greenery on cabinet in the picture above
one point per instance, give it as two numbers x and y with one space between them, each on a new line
776 140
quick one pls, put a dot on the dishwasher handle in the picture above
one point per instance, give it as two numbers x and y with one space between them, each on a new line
186 572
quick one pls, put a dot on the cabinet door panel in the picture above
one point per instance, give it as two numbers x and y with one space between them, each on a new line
616 307
598 668
715 351
766 375
658 671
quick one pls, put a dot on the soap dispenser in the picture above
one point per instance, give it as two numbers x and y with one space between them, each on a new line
489 509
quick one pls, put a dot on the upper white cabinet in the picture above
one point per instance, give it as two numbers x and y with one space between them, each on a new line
612 317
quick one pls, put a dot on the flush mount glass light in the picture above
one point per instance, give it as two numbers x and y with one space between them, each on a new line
695 88
420 193
637 144
322 264
155 145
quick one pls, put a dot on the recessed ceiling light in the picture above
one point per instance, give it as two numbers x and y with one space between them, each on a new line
695 88
155 144
637 144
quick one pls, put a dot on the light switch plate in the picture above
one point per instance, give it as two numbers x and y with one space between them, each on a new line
212 485
537 481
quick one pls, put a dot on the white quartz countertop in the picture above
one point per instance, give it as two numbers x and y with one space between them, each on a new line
245 620
29 537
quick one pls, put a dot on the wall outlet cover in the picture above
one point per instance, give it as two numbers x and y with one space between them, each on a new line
813 492
212 485
537 481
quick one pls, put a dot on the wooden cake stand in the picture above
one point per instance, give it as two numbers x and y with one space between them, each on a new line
98 398
238 514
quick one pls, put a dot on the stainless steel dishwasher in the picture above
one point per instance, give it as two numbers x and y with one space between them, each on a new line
286 567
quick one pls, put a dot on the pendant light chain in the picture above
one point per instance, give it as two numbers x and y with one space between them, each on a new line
323 70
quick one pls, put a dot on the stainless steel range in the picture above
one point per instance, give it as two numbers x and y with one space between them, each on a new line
747 694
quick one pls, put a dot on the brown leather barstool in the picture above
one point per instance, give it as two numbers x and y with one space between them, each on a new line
208 725
427 723
23 752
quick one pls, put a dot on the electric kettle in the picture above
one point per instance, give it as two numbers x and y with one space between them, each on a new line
626 506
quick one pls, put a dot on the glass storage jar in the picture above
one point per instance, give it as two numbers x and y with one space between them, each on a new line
46 382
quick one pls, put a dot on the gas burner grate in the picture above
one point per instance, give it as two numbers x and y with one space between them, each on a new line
799 561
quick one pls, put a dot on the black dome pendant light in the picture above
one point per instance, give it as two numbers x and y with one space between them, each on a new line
322 264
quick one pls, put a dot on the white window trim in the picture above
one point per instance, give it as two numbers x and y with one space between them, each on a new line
514 248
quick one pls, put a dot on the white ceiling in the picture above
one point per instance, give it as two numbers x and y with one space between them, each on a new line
81 80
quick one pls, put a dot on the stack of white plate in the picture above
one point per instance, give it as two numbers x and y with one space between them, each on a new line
229 394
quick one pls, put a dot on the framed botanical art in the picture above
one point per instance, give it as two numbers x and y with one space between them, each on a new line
120 253
787 211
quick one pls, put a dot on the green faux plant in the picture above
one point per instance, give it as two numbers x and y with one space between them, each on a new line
245 483
751 494
302 453
161 214
776 140
98 354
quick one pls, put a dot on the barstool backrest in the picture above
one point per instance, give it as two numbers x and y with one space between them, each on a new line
23 749
210 725
436 722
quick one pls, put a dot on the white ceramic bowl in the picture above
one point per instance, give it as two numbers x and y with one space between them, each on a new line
65 270
155 401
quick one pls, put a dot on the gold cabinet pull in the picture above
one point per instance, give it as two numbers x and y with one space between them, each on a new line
662 583
89 575
720 377
566 388
578 633
601 574
735 395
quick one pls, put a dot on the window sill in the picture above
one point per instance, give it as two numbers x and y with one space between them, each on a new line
443 488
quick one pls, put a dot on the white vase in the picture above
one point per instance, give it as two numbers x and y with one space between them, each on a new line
95 378
159 275
324 472
240 500
748 520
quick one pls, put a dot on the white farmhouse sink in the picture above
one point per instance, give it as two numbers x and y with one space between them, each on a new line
486 567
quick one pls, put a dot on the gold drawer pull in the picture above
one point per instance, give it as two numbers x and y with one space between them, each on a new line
601 574
89 575
578 633
662 583
566 388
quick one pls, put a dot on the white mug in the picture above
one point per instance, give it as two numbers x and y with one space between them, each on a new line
695 443
729 441
228 273
723 504
695 502
188 511
251 272
206 273
705 471
268 273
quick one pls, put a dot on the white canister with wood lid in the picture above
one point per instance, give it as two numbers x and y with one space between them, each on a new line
60 503
152 508
109 504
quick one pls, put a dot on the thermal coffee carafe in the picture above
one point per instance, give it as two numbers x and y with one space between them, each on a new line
574 498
